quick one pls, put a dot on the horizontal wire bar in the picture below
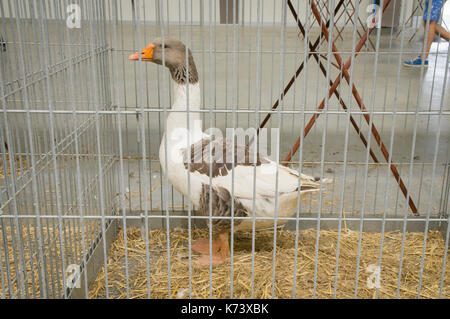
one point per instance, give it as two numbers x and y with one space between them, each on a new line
366 219
292 163
42 165
153 109
52 238
78 59
268 52
316 52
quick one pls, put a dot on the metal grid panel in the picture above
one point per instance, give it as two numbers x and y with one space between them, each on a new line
81 129
56 162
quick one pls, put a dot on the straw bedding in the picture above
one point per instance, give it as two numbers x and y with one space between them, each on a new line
20 164
242 265
28 284
157 272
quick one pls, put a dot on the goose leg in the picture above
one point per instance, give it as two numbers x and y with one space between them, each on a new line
224 246
201 246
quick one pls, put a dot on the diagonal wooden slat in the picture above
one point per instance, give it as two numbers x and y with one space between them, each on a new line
344 74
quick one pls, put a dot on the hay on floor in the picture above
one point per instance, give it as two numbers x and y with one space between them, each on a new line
138 275
22 273
20 164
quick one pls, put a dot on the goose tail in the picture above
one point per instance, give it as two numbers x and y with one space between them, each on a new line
311 184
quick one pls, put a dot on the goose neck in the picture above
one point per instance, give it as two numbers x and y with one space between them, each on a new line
187 97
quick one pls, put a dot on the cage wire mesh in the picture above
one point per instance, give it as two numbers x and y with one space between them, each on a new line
87 212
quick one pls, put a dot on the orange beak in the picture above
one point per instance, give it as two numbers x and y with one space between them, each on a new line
146 54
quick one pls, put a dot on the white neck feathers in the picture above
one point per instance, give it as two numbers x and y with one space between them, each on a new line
187 96
179 120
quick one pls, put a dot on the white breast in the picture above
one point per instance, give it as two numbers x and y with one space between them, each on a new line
180 137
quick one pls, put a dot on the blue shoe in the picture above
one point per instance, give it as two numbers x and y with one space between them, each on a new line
416 63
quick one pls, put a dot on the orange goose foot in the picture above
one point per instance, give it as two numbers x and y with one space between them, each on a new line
220 250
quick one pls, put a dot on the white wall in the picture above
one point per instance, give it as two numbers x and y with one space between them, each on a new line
208 11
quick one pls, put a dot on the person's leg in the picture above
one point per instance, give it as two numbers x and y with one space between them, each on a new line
442 32
429 38
433 16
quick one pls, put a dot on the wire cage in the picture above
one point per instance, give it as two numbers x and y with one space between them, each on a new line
86 211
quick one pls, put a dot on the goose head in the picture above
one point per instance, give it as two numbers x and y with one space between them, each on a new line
171 53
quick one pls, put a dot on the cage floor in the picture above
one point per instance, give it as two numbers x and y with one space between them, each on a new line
22 262
138 273
20 164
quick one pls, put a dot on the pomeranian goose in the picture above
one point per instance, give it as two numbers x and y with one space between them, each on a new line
199 170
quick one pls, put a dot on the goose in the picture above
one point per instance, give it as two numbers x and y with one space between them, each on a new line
192 159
